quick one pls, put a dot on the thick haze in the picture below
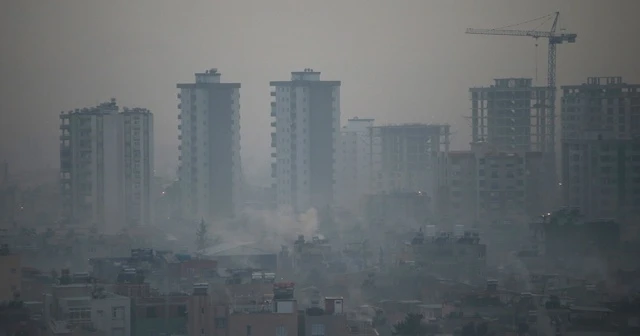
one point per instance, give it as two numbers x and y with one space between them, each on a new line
399 61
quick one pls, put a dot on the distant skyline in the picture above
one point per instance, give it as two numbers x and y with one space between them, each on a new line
399 61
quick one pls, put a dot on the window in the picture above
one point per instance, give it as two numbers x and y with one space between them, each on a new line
221 322
317 330
281 331
151 312
76 314
117 313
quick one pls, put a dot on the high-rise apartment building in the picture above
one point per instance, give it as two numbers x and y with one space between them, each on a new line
138 165
488 186
106 166
307 130
409 158
601 148
353 175
210 171
513 115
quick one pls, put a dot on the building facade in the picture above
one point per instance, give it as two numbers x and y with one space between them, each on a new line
410 158
262 314
106 166
601 149
83 307
513 115
307 128
353 176
210 171
488 186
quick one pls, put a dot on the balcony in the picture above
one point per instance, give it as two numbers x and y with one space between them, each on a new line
252 308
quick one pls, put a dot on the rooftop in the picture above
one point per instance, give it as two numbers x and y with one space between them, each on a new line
411 125
234 248
590 309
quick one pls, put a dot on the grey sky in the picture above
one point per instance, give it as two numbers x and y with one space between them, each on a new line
399 60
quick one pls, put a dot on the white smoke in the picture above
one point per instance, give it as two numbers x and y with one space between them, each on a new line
269 228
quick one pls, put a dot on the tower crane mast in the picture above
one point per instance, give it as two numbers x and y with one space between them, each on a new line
554 39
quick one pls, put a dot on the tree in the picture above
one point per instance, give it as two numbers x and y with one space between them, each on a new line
202 236
472 329
412 325
523 328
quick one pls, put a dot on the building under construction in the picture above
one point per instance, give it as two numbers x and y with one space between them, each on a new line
408 157
601 150
514 116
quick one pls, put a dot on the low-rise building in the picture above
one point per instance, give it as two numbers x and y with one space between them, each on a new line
159 314
213 311
73 306
458 256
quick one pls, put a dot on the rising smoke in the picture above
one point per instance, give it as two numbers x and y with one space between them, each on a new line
268 228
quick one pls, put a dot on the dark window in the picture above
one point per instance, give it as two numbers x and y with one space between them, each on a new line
221 322
151 312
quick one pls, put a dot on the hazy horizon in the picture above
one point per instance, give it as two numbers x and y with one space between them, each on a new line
399 61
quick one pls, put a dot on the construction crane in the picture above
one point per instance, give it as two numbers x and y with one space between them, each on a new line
553 37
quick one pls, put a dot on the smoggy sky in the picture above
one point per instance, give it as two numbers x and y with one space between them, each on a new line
398 60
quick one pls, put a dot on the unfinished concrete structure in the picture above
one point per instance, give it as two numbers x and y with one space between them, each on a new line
513 115
601 149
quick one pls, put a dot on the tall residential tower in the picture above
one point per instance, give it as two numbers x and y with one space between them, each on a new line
354 172
307 129
513 116
106 166
601 149
210 171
